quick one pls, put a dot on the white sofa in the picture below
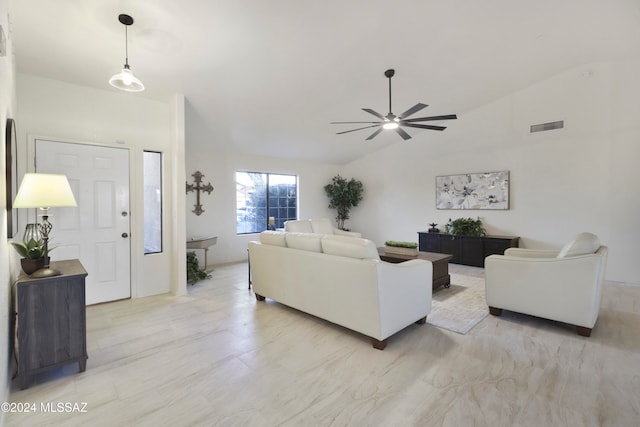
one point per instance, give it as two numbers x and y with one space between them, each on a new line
317 226
565 285
341 279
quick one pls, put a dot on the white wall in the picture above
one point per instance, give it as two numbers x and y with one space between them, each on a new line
582 178
7 272
219 216
64 112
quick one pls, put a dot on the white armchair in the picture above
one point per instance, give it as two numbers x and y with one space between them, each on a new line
565 286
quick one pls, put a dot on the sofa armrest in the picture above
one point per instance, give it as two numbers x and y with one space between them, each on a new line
339 232
404 292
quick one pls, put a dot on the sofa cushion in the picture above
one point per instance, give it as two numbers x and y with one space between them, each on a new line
274 238
582 244
352 247
321 226
305 241
298 226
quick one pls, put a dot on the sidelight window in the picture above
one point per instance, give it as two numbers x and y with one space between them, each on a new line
152 164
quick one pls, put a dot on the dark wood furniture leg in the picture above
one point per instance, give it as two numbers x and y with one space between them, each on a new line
249 268
582 331
441 276
422 321
259 297
378 345
495 311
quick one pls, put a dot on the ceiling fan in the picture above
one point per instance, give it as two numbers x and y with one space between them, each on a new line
391 121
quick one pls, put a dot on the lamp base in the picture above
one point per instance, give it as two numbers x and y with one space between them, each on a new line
45 272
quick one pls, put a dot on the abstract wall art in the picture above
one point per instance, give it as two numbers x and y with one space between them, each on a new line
487 190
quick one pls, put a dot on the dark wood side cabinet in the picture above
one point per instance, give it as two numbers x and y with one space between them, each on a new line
466 250
50 321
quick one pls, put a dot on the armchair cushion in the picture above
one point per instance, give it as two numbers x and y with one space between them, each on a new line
582 244
339 232
321 226
317 226
298 226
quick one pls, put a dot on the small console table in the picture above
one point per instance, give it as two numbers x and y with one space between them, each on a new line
202 243
51 322
466 250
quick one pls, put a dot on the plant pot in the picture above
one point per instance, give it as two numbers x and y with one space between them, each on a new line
401 251
30 266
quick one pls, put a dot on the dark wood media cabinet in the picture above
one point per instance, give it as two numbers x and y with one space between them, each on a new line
50 321
466 250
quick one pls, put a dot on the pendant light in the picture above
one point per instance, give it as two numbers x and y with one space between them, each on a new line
125 80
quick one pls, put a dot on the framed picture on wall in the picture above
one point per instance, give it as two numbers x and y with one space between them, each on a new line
11 178
486 190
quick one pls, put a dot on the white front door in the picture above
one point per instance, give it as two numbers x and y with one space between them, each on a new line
97 231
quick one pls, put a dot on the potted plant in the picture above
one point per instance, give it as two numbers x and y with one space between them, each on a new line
32 253
194 272
400 247
465 227
343 195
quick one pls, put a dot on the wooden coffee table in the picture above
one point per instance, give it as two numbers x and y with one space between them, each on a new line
440 263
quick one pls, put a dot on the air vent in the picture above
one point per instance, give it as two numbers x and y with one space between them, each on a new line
547 126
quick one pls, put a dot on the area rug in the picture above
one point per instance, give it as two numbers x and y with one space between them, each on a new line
461 306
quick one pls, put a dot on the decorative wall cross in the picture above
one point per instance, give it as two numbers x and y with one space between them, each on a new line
197 187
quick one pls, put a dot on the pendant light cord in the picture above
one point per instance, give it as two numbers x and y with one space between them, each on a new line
126 47
389 95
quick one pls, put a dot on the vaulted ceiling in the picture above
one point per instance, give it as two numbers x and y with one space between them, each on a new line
267 77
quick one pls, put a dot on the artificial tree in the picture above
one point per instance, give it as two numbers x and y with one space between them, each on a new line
343 195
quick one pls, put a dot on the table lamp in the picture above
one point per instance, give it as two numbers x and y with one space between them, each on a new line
44 191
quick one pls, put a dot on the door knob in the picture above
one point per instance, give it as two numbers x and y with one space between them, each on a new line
124 213
125 235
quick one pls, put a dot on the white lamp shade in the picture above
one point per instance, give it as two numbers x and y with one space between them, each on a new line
43 190
125 80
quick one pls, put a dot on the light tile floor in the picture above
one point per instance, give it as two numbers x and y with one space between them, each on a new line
217 357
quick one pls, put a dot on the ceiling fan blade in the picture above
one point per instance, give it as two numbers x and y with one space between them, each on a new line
375 113
373 135
337 123
403 134
433 118
414 125
353 130
419 106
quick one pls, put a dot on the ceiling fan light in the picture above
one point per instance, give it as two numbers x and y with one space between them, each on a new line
390 125
125 80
